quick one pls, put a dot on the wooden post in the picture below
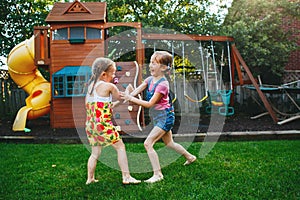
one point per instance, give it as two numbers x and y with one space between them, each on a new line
253 81
139 46
41 46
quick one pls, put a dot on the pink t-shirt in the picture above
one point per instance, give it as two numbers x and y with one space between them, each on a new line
162 88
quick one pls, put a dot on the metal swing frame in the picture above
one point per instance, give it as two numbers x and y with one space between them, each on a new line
237 63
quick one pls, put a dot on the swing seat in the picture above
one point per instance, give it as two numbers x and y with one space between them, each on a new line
195 101
226 111
225 94
214 96
216 103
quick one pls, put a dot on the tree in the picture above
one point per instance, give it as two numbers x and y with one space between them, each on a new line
184 16
257 27
18 17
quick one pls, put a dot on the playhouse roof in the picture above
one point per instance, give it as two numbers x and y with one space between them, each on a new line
77 12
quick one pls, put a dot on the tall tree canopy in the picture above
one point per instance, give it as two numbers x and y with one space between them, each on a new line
18 17
184 16
258 27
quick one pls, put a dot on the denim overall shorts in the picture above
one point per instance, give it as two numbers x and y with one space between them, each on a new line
163 119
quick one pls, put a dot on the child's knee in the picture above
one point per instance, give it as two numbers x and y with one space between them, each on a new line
96 151
148 145
120 146
95 155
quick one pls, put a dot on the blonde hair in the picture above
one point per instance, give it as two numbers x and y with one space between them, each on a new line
99 65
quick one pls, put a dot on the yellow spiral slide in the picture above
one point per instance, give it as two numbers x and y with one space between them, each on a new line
25 74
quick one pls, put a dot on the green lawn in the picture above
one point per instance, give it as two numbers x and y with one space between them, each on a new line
232 170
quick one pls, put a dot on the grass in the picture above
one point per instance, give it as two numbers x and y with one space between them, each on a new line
232 170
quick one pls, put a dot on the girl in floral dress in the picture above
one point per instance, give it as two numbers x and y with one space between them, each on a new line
99 127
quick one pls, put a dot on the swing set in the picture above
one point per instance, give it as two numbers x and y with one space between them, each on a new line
216 94
214 90
218 76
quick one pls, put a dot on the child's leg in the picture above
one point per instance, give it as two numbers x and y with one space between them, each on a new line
169 142
92 162
152 138
122 158
123 163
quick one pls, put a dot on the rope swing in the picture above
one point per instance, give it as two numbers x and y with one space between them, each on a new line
184 77
215 93
174 75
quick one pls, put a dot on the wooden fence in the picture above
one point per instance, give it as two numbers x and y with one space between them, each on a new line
11 99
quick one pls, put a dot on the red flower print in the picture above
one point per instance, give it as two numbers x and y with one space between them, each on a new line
116 134
100 138
88 133
105 116
100 127
98 113
88 118
109 131
100 104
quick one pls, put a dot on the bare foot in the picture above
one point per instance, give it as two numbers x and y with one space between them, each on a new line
154 179
130 180
190 161
91 181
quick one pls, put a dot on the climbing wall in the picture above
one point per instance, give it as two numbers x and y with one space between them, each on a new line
128 115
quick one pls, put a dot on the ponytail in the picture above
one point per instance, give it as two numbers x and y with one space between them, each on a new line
99 65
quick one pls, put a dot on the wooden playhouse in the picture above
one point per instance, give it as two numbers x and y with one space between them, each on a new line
77 35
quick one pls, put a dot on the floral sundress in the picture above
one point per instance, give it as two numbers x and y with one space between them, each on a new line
99 127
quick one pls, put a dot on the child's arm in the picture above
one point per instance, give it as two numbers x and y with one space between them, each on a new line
147 104
138 90
133 92
115 95
114 91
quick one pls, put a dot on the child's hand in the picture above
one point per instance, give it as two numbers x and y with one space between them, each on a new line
125 96
127 91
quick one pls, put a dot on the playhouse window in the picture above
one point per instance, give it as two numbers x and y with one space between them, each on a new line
70 81
58 85
60 34
93 33
77 33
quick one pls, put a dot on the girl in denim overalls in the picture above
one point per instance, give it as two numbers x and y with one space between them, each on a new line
161 111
